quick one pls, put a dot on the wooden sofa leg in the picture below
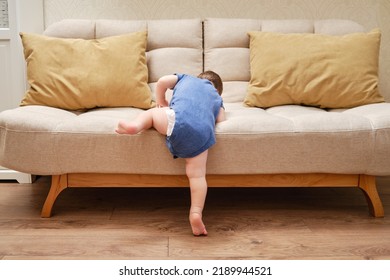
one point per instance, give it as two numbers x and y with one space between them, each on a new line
58 184
368 185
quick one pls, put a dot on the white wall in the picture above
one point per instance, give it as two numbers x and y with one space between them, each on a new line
26 15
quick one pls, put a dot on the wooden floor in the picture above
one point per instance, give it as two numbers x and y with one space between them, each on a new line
255 223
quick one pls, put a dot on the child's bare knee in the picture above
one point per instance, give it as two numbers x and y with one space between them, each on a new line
194 171
196 166
191 173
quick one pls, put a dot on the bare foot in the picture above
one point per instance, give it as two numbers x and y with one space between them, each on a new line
198 228
127 128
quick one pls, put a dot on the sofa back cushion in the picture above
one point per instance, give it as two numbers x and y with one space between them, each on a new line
226 46
173 46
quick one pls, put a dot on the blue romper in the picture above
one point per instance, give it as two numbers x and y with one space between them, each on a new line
196 103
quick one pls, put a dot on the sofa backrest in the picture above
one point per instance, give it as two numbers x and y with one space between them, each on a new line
226 45
188 46
174 46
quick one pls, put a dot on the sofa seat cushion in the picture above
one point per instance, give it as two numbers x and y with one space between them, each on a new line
285 139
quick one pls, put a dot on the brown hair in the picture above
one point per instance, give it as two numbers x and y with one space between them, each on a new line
214 78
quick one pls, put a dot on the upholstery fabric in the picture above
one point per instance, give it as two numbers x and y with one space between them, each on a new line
281 139
226 45
172 46
313 69
79 74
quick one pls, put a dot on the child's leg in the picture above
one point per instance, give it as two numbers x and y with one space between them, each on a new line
196 172
155 117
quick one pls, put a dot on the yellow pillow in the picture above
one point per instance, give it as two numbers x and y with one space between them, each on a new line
313 69
78 74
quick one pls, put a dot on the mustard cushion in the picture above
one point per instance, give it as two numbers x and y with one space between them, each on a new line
81 74
313 69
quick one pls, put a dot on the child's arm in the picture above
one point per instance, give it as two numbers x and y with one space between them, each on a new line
164 83
221 115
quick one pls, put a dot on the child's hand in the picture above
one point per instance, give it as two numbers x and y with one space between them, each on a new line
162 104
164 83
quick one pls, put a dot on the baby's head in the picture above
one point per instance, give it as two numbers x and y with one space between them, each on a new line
214 78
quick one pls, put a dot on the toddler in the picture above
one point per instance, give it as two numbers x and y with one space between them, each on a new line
189 125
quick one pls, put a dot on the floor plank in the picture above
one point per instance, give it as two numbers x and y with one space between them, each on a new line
140 223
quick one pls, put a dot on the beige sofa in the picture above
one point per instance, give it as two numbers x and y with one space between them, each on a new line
290 145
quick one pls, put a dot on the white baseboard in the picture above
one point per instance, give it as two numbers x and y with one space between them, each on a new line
22 178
